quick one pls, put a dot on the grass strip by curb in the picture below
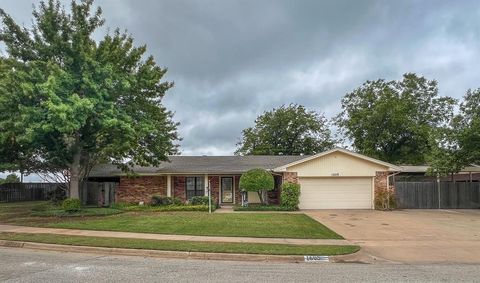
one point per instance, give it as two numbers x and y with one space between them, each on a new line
190 246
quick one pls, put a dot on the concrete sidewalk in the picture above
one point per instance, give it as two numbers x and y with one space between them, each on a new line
129 235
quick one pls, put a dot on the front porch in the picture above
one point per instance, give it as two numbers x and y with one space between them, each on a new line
224 188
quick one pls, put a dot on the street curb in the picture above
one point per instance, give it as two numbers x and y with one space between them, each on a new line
153 253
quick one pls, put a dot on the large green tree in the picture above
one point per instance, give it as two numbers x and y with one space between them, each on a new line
394 120
459 143
11 178
467 124
70 102
287 130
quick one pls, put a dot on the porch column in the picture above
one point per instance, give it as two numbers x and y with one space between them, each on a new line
169 185
205 182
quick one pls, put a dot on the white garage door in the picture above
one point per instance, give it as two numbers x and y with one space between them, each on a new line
336 193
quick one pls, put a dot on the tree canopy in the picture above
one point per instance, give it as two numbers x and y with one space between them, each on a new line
468 125
458 144
11 178
394 120
287 130
257 180
68 102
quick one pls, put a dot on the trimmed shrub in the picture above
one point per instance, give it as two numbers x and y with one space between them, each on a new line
104 211
71 205
261 208
290 195
162 200
199 200
257 180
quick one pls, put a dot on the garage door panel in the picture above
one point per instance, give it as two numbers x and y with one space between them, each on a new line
336 193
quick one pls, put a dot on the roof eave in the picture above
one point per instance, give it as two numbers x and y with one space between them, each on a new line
391 167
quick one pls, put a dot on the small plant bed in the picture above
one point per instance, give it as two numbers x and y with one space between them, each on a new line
254 207
191 246
162 203
173 207
83 212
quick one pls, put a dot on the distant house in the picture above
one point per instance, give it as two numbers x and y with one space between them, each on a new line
334 179
419 174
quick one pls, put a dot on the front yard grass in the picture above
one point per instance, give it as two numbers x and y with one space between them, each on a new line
261 225
245 248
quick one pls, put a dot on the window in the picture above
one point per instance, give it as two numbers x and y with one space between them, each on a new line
194 186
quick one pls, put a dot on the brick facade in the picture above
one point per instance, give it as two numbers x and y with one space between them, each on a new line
141 189
137 189
290 177
380 182
178 188
215 187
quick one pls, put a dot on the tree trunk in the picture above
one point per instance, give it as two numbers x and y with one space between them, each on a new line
74 186
260 196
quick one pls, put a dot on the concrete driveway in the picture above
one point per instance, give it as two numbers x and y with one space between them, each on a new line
408 236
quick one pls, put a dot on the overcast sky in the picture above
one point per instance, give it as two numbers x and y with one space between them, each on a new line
232 60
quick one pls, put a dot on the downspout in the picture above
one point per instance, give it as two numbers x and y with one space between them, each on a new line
388 185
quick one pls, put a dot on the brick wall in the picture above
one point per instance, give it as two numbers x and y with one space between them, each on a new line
215 187
381 180
290 177
137 189
178 188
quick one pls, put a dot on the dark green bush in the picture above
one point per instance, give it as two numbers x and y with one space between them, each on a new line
261 208
163 200
290 195
94 211
71 205
58 195
199 200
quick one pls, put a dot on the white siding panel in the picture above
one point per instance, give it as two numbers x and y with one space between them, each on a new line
336 163
336 193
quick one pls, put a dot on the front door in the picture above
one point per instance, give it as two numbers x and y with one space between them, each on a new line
227 189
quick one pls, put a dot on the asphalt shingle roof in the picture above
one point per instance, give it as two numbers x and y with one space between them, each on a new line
202 165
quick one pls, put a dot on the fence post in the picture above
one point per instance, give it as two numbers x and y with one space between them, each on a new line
438 188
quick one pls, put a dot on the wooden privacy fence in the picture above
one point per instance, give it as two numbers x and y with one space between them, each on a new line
13 192
446 195
91 193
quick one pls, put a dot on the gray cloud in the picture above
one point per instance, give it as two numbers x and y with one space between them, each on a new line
232 60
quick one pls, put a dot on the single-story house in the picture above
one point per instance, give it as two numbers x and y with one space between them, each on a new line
334 179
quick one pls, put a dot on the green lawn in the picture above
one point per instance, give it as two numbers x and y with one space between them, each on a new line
274 225
245 248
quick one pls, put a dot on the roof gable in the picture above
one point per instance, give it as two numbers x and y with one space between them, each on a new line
390 166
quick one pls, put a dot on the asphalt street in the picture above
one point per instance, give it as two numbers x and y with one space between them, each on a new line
22 265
